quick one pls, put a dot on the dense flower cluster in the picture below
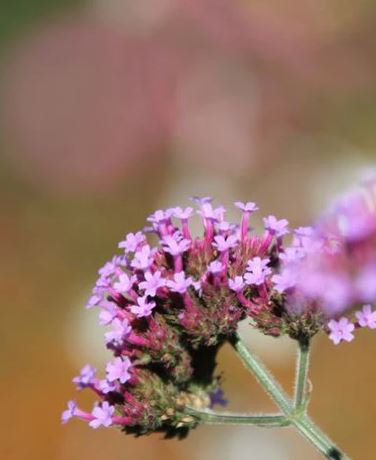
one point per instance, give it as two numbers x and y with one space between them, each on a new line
169 307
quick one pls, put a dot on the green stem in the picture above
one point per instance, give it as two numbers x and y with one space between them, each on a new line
298 418
236 419
262 375
301 375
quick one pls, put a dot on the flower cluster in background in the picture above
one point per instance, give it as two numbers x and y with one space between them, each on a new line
170 306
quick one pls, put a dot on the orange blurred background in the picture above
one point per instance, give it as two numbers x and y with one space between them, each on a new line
110 109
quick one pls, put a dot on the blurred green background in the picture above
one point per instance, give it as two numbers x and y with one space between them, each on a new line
110 109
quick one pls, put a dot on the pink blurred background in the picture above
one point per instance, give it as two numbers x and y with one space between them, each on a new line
110 109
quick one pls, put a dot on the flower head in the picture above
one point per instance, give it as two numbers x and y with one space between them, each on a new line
169 305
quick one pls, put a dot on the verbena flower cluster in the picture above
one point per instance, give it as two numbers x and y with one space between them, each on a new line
170 306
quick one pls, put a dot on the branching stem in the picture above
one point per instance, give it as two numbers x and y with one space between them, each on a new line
293 413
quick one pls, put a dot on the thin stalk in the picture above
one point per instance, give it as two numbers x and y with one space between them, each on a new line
262 375
301 375
214 418
298 418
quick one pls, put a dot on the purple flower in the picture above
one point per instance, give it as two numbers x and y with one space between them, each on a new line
153 281
284 281
341 330
143 307
69 413
215 267
224 244
257 271
179 283
105 386
142 258
108 269
160 216
132 241
217 398
124 284
120 330
366 317
175 244
85 378
107 315
275 226
94 300
237 284
207 212
183 214
118 369
102 415
246 207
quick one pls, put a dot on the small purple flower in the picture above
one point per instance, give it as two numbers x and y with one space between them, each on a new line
217 398
69 413
275 226
257 271
118 369
142 258
153 281
366 317
183 214
102 415
160 216
86 377
237 284
124 284
106 387
179 283
94 300
215 267
284 281
143 307
132 241
341 330
246 207
120 330
207 211
107 315
108 269
175 244
224 244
